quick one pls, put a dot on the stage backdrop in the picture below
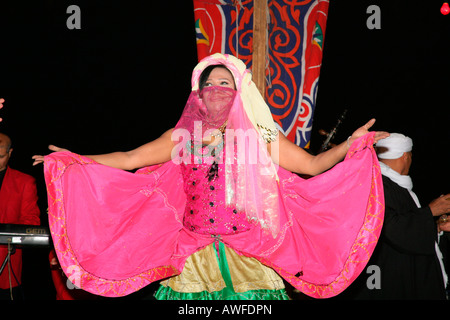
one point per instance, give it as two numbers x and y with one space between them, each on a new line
296 31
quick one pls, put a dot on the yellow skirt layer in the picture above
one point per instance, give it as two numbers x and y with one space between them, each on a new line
219 273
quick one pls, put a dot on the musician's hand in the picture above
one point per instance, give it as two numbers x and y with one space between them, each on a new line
324 133
444 223
365 129
40 159
441 205
1 105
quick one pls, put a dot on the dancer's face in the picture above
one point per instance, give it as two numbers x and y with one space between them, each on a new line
218 93
220 77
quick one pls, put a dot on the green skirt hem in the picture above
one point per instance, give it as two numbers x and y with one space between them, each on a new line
166 293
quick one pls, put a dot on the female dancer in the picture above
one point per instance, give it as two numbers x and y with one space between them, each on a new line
216 209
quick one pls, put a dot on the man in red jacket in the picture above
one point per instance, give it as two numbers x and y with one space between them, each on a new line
18 205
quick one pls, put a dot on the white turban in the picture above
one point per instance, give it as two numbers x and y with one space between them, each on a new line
396 144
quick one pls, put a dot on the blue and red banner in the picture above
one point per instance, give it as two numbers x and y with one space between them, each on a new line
296 31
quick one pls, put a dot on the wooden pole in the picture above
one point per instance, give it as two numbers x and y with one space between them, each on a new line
260 8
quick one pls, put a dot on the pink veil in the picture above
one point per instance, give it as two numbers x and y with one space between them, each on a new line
250 175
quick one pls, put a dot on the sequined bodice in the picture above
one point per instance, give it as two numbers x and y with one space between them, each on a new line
206 212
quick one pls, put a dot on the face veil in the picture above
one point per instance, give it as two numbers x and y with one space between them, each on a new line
247 126
206 110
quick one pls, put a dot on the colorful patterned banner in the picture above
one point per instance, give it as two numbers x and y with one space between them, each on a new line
296 31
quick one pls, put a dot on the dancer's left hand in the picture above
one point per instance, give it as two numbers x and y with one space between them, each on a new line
365 129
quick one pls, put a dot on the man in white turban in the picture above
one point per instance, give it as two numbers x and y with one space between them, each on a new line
407 255
395 155
394 146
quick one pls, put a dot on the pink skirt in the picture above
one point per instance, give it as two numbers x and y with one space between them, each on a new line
115 232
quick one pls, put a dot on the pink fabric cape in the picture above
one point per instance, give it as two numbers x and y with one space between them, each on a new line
115 232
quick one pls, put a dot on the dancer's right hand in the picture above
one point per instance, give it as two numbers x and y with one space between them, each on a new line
40 159
1 105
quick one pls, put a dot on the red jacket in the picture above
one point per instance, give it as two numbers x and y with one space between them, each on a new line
18 205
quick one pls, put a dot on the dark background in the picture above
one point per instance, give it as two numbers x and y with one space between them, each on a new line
123 79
